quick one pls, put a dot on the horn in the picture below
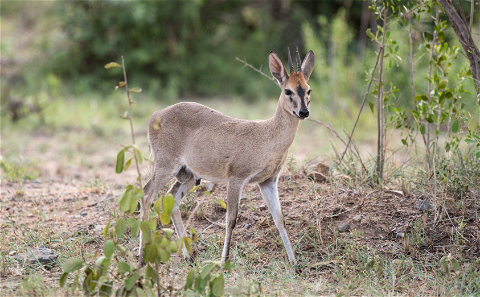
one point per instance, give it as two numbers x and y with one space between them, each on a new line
299 62
290 61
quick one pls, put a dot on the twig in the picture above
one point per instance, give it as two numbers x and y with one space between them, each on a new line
361 108
259 71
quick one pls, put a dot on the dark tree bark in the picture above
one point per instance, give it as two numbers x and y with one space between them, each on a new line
465 37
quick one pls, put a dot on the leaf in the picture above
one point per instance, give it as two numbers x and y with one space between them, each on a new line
477 155
146 232
75 282
127 165
151 274
194 189
187 241
102 262
390 64
140 292
371 106
206 270
222 204
422 129
112 65
168 232
130 282
105 230
228 265
130 222
135 90
191 278
63 279
72 265
119 85
126 201
134 229
108 248
120 161
152 223
87 282
218 285
370 34
455 126
158 207
123 267
168 203
120 228
139 154
455 265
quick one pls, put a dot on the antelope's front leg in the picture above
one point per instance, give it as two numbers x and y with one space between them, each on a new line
269 191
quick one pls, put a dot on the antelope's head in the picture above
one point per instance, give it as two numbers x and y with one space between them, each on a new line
295 95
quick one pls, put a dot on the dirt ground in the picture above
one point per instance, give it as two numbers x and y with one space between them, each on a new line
68 204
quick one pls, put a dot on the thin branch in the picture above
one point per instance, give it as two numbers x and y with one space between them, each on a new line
259 71
361 108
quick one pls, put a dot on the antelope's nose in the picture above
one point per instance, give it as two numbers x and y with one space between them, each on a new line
304 113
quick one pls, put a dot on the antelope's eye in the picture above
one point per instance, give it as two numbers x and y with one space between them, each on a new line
308 93
288 92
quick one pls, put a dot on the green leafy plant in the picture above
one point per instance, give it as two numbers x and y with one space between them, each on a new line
116 270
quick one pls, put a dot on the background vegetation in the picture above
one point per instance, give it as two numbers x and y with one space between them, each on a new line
54 86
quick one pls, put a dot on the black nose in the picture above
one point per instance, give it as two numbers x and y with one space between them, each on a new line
304 113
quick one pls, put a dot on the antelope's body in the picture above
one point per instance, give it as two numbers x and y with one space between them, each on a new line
190 141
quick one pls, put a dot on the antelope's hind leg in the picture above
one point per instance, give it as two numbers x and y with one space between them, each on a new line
185 181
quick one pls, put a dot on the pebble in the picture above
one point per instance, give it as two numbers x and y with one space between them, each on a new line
210 186
83 213
423 205
343 227
263 207
357 218
36 181
41 254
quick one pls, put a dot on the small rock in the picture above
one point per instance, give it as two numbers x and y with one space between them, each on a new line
83 213
317 176
247 226
92 205
343 227
423 205
243 198
357 218
401 234
210 186
41 255
262 207
69 199
36 181
322 168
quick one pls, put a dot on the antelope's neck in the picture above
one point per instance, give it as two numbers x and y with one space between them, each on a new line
283 126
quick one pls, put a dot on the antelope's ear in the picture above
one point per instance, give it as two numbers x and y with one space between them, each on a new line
277 69
307 65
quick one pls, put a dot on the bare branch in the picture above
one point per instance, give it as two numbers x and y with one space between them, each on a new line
259 71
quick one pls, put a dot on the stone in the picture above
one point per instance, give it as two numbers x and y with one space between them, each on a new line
343 227
262 207
83 213
357 218
317 176
423 205
36 181
210 186
42 255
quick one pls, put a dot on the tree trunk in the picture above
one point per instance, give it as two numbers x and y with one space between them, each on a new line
465 37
